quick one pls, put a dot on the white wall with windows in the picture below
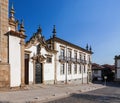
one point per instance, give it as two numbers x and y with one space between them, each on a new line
118 69
71 70
97 73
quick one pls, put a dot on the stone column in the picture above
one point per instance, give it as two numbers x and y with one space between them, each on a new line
34 71
22 43
55 64
55 69
43 80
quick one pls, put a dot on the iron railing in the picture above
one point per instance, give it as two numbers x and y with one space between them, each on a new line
74 60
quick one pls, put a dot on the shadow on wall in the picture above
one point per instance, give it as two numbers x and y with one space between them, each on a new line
110 84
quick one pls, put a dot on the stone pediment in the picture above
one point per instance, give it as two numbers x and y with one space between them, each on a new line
38 39
35 39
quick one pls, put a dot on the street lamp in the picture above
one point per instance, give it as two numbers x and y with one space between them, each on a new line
105 78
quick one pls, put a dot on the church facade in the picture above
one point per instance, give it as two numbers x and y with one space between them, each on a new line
38 60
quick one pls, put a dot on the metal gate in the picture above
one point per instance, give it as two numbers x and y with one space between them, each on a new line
38 73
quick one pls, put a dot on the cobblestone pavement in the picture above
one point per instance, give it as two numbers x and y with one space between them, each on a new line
85 98
41 93
109 94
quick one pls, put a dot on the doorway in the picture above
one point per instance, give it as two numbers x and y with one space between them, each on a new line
26 69
38 73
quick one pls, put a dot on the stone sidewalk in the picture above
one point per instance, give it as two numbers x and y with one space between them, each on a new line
41 93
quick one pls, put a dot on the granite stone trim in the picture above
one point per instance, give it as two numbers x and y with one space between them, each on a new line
4 75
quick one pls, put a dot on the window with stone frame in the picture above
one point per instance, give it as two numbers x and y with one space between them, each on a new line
49 60
80 56
84 57
62 53
69 69
62 69
75 55
75 68
69 54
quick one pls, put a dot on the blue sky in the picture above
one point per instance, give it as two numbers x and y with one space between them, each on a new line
96 22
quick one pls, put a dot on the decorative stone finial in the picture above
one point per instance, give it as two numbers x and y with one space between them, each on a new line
12 12
39 30
54 31
90 48
22 30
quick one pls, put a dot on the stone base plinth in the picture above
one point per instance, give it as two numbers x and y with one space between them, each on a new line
4 75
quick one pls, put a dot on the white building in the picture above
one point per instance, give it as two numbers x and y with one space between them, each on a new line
56 61
117 68
96 72
38 60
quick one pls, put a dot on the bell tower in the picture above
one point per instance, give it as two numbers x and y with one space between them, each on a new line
3 31
4 60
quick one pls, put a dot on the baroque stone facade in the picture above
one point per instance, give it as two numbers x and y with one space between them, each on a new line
38 60
9 37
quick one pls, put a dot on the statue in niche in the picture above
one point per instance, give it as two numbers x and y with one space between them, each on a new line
38 49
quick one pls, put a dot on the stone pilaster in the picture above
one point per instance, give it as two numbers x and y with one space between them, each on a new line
55 64
4 60
33 71
4 75
3 31
43 74
22 43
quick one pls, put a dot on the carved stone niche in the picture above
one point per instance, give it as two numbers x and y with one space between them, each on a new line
39 58
38 49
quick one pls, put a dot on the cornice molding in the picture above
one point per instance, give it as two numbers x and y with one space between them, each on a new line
16 33
59 40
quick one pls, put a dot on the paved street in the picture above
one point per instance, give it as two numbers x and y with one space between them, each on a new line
41 93
109 94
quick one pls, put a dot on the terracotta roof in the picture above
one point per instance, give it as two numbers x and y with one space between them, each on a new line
112 67
96 66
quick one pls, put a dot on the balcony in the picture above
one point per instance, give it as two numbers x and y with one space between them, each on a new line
74 60
71 60
62 58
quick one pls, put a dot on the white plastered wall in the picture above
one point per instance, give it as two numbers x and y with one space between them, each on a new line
15 61
48 68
